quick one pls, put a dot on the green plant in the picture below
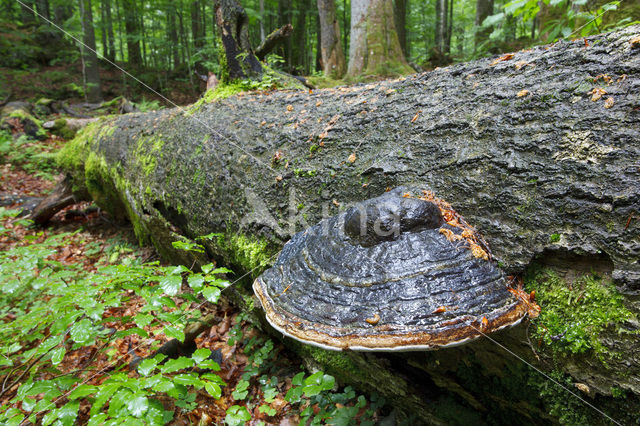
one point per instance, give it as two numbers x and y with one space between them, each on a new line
30 155
574 316
56 309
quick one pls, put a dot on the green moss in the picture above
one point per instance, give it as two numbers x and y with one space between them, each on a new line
147 152
566 408
554 238
574 316
250 253
22 115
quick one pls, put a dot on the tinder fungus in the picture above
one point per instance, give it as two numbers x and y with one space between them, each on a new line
399 272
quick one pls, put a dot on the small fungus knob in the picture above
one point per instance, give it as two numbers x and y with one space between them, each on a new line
386 218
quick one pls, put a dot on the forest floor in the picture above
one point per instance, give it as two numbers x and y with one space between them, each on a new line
259 381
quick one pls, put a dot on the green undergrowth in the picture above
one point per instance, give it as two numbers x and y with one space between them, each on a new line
575 315
56 310
30 155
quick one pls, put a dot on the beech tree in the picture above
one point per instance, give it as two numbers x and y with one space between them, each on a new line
333 62
90 67
374 47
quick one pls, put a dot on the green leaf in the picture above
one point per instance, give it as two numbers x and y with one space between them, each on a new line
83 332
138 405
57 355
82 391
264 408
241 391
317 383
97 419
171 284
213 378
212 294
147 366
195 281
177 364
174 333
298 379
237 415
201 354
213 389
270 394
143 320
293 395
492 20
188 380
209 364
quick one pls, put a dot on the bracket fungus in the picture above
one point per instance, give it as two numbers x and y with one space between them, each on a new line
394 273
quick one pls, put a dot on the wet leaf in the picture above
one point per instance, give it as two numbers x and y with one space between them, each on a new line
608 103
523 92
597 93
352 158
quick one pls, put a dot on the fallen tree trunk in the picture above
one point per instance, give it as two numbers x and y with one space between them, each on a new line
538 150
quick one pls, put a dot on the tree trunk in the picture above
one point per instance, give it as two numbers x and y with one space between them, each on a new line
111 42
284 18
262 33
330 48
195 24
132 30
89 58
543 173
42 6
447 43
173 35
27 16
484 8
400 16
233 22
374 48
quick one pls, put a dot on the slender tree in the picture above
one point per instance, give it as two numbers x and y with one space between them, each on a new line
172 34
333 62
400 16
374 47
89 58
484 8
26 13
111 43
131 25
42 6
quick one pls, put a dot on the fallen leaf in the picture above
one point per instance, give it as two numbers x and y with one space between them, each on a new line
502 58
608 103
318 103
336 203
597 93
352 158
278 178
523 92
415 117
635 42
520 64
289 107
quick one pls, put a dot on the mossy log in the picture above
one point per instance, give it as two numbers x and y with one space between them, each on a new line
538 150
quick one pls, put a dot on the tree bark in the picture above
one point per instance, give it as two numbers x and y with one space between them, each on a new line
111 43
333 62
523 153
374 48
233 22
89 58
484 8
400 16
173 35
270 42
132 30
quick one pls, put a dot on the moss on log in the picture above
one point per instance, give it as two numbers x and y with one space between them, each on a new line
521 146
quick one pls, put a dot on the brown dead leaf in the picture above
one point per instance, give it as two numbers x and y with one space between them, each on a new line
263 123
520 64
318 103
352 158
523 92
278 178
635 42
608 103
415 117
336 203
597 93
289 108
502 58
